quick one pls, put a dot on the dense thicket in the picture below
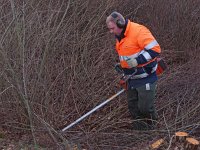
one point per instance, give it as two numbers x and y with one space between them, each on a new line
57 61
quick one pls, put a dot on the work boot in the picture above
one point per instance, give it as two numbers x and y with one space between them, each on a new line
151 123
139 125
142 125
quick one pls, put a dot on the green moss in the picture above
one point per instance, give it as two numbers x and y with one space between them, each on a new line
2 135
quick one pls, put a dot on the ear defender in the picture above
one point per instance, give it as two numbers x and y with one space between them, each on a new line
118 20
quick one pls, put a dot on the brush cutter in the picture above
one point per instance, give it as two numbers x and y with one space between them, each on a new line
94 109
100 105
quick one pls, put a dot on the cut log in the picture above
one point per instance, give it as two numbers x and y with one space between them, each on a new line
157 144
181 136
191 144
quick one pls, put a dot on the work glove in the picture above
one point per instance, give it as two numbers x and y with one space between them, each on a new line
132 62
118 68
123 83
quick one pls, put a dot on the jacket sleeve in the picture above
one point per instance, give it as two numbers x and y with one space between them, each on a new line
149 46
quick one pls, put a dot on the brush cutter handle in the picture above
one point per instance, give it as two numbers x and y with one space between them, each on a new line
124 80
119 69
99 106
93 110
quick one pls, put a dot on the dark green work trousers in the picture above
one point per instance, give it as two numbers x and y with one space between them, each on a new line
141 102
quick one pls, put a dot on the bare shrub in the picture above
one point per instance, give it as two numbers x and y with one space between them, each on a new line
56 64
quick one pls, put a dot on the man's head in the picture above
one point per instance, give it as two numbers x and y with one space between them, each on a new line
115 23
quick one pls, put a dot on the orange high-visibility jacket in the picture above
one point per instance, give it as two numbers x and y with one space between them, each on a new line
137 41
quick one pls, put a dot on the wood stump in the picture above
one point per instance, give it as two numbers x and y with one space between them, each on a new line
182 141
181 136
157 144
191 144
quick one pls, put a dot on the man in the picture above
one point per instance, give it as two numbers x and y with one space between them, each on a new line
137 50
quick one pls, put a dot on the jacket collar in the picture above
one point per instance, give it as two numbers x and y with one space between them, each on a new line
127 27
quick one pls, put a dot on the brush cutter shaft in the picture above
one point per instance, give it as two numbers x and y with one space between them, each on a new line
94 109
